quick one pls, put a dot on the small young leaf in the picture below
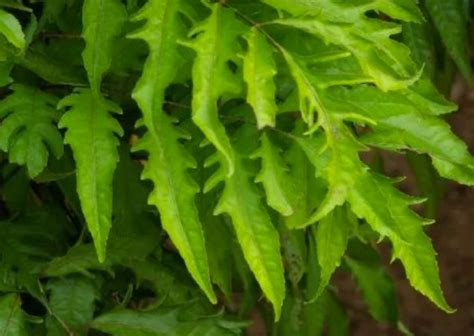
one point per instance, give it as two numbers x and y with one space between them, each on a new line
91 132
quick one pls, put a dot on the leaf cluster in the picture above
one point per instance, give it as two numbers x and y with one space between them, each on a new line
166 164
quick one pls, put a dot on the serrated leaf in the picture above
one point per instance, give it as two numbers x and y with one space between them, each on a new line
274 177
450 20
255 232
385 208
11 29
92 133
28 128
216 45
102 22
401 125
388 212
382 58
72 299
12 318
259 70
168 161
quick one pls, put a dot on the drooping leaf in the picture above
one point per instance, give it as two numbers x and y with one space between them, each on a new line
102 23
92 133
388 212
168 161
28 128
12 318
259 70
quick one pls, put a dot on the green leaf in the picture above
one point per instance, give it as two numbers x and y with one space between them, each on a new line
402 125
450 20
418 37
91 132
388 212
28 128
102 23
332 235
72 299
168 161
11 29
216 45
12 318
375 199
377 287
256 234
259 70
385 60
274 177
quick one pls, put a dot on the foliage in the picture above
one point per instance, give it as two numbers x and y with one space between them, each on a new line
252 125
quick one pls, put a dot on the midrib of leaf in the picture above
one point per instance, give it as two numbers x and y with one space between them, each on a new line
94 162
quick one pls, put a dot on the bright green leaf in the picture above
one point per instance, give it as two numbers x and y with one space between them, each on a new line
92 133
